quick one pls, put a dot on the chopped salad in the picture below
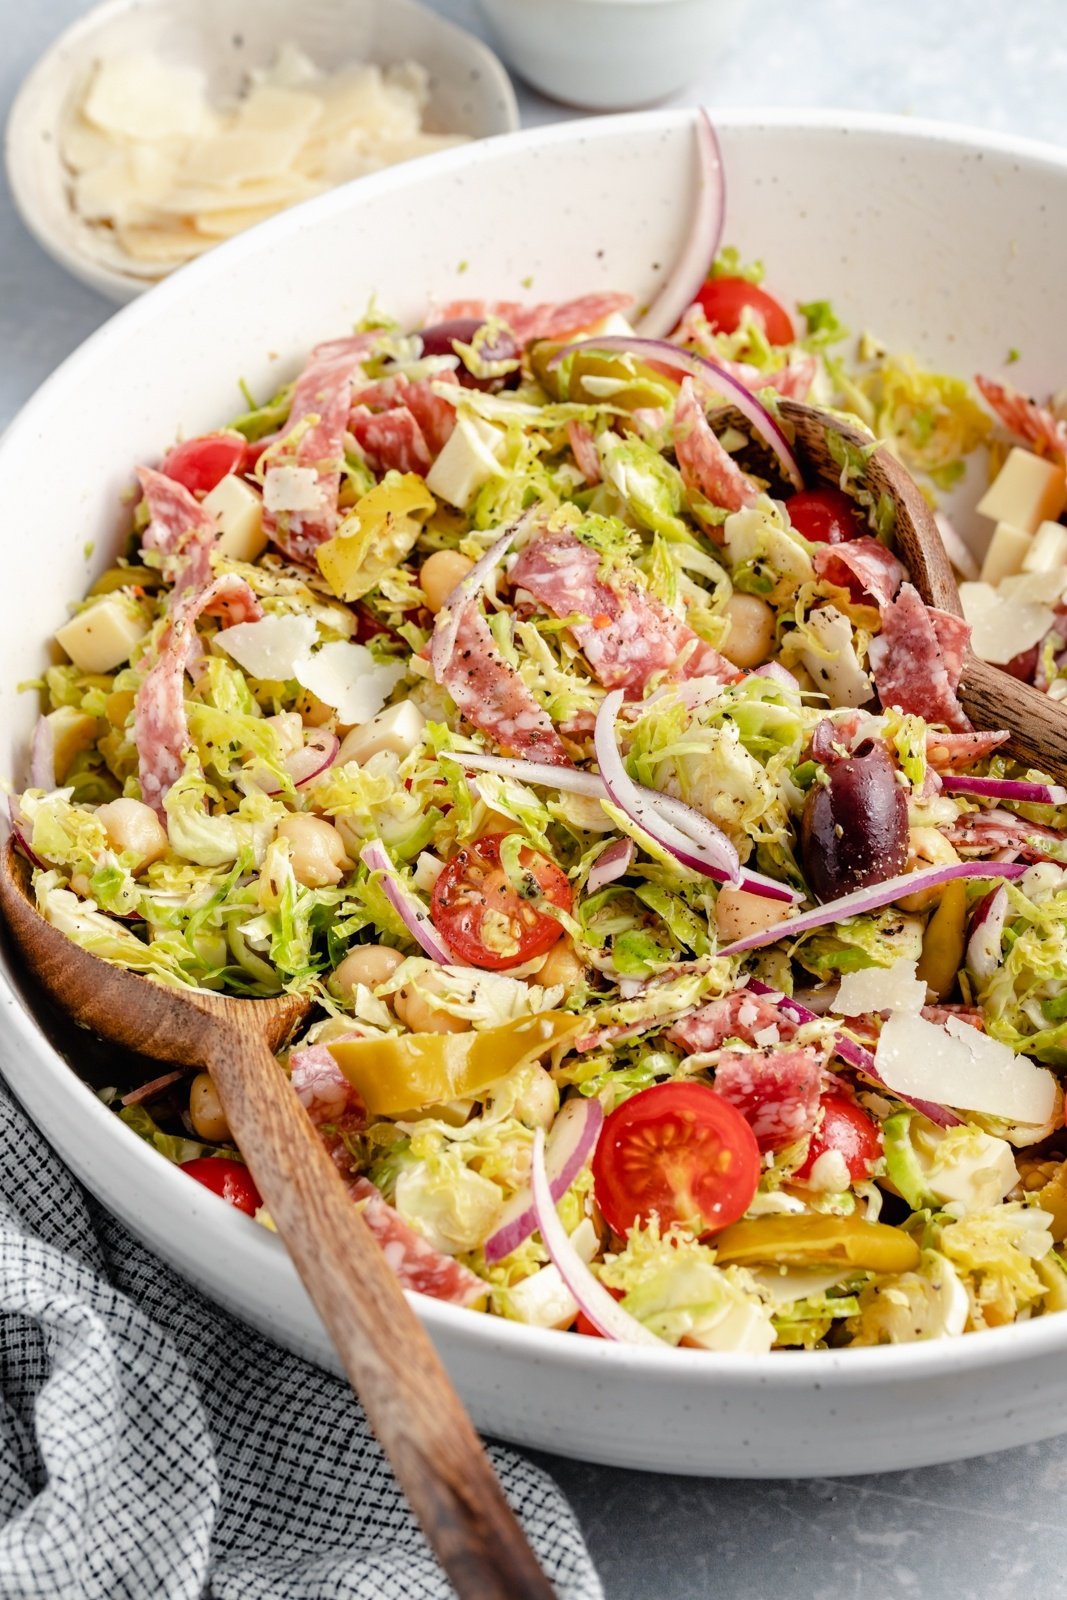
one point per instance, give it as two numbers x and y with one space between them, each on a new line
687 968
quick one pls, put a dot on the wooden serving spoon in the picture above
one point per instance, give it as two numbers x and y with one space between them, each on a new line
394 1368
991 697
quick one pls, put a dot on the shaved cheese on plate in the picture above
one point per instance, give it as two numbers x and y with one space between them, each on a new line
291 489
958 1066
1010 618
347 677
242 155
271 647
142 97
894 988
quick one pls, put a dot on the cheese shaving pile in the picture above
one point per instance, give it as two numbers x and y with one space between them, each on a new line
159 173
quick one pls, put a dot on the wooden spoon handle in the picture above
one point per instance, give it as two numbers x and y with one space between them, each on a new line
1038 725
407 1395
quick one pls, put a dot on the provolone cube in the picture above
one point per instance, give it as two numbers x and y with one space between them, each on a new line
238 511
1048 549
1027 491
468 460
398 728
101 637
1007 551
72 732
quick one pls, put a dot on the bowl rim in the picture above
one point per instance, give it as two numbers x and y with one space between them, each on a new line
790 1370
21 127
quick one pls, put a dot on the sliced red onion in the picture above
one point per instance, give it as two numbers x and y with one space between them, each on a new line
709 376
446 628
570 1144
21 829
702 244
43 756
982 956
614 862
318 752
148 1091
777 674
873 898
1038 794
408 907
605 1313
856 1055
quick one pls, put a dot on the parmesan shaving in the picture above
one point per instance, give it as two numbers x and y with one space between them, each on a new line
959 1066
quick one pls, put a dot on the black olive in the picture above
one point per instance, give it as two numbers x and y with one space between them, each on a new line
854 831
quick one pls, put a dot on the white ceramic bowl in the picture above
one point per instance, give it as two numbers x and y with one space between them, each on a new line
941 242
609 55
469 90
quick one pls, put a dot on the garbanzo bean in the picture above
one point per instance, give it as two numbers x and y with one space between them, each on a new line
133 826
750 641
439 575
316 850
417 1011
206 1113
369 964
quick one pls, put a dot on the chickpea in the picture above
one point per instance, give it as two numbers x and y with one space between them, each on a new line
750 641
313 712
206 1113
290 731
81 886
561 965
738 912
369 964
132 826
417 1011
316 850
440 574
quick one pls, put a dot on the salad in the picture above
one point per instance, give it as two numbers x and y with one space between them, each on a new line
687 968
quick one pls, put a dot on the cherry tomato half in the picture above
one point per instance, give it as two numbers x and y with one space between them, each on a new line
725 300
200 464
847 1129
679 1150
825 516
487 922
230 1179
582 1323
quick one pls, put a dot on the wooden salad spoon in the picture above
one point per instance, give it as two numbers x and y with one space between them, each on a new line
991 697
408 1398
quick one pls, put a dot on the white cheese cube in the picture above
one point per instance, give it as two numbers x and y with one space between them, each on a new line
468 460
238 511
837 673
1048 550
398 729
1027 490
292 489
101 637
1007 552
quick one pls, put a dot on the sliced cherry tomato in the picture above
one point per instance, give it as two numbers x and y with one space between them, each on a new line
825 516
725 300
487 922
848 1130
200 464
678 1150
582 1323
230 1179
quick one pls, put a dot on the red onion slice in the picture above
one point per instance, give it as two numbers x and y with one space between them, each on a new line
614 862
605 1313
318 752
873 899
21 829
43 756
446 628
702 244
408 907
982 955
570 1144
148 1091
1038 794
777 674
709 376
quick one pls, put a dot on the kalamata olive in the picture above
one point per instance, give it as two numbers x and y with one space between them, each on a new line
854 830
442 338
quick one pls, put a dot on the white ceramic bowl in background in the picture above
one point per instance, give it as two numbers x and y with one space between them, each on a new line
948 244
469 90
610 55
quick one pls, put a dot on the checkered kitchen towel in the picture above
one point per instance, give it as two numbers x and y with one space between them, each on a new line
153 1448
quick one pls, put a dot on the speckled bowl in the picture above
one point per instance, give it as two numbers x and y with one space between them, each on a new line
943 242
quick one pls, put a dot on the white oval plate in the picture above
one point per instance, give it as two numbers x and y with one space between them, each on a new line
943 242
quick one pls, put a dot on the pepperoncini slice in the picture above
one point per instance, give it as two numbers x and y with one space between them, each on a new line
942 953
811 1239
403 1073
597 377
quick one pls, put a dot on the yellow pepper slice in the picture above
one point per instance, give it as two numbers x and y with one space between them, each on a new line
810 1240
638 385
405 1073
942 953
377 534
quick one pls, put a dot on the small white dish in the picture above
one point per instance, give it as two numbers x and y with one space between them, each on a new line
470 92
610 55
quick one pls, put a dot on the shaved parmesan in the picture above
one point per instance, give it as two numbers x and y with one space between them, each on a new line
960 1067
291 489
894 988
347 677
832 660
1009 619
142 97
271 647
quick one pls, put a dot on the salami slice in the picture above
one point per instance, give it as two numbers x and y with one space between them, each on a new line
741 1015
321 397
546 321
417 1265
179 529
1035 425
491 694
626 634
910 670
776 1091
955 752
583 448
391 439
939 1015
982 833
435 415
862 566
953 636
160 730
333 1104
706 467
